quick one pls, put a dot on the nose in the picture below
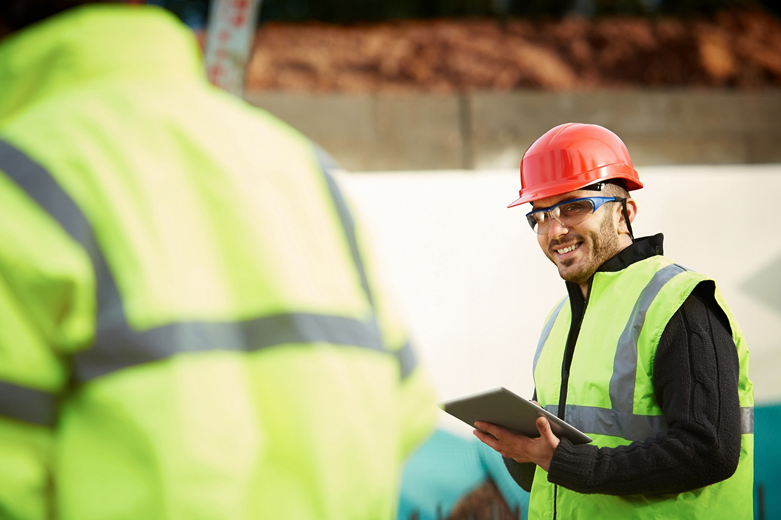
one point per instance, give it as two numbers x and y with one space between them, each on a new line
556 228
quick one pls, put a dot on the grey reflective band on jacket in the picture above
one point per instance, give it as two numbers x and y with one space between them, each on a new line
326 162
43 189
406 354
546 332
27 404
407 360
622 382
117 346
31 177
123 348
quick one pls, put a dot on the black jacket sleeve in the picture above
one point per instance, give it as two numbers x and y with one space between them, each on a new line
695 379
522 473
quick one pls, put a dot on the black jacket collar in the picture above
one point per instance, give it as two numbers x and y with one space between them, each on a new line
642 248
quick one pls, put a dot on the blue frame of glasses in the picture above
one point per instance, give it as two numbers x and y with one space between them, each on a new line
597 202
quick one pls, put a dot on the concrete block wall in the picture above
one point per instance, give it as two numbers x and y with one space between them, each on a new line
368 132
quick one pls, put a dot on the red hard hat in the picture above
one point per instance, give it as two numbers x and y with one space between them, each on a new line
570 157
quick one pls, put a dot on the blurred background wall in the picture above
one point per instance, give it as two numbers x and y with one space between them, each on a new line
477 288
490 129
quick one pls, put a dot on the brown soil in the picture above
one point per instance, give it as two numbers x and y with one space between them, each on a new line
484 503
739 49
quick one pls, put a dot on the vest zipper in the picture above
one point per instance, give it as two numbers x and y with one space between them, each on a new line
569 350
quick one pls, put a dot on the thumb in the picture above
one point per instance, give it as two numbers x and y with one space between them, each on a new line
543 426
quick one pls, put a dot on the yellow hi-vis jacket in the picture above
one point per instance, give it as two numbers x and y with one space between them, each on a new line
190 324
611 397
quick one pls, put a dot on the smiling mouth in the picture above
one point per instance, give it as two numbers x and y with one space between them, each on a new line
568 249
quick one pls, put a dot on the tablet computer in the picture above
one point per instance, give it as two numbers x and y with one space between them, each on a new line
503 408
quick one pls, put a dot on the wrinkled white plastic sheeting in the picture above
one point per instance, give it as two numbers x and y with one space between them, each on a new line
475 287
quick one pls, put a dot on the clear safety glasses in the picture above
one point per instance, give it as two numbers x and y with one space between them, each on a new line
567 213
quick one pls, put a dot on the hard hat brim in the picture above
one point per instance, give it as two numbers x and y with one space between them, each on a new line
611 171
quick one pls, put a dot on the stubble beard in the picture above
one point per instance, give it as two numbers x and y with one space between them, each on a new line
604 245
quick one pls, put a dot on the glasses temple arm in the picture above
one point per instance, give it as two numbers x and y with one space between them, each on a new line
626 218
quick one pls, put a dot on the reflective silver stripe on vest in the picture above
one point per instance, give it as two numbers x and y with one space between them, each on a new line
622 382
117 346
620 421
604 421
747 419
546 332
27 404
632 427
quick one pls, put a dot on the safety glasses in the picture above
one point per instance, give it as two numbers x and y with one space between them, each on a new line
567 213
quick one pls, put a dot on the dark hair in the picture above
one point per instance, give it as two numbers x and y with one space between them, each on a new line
17 14
614 186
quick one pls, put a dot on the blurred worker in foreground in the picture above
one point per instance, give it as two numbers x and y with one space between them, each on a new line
644 356
190 324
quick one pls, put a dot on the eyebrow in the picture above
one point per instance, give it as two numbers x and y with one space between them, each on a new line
554 205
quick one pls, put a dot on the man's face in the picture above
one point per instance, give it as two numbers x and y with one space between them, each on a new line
579 250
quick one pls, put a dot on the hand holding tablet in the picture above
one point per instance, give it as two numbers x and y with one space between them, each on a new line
503 408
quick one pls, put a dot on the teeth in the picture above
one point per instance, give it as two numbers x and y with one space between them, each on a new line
567 249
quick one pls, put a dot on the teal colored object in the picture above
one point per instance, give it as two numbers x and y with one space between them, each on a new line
448 467
767 464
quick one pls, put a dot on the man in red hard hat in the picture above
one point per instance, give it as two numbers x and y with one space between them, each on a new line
643 355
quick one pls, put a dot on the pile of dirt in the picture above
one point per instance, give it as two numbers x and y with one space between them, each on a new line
484 503
740 49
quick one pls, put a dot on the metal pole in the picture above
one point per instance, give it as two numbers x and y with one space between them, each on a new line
231 28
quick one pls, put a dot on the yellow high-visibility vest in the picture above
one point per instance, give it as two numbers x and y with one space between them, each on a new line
610 395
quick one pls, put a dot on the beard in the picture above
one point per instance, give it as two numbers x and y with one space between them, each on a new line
603 245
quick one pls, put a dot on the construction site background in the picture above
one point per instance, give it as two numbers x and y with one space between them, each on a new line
475 93
730 49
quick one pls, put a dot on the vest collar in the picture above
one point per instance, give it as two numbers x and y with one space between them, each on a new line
642 248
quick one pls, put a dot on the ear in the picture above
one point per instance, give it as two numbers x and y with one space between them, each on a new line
631 209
